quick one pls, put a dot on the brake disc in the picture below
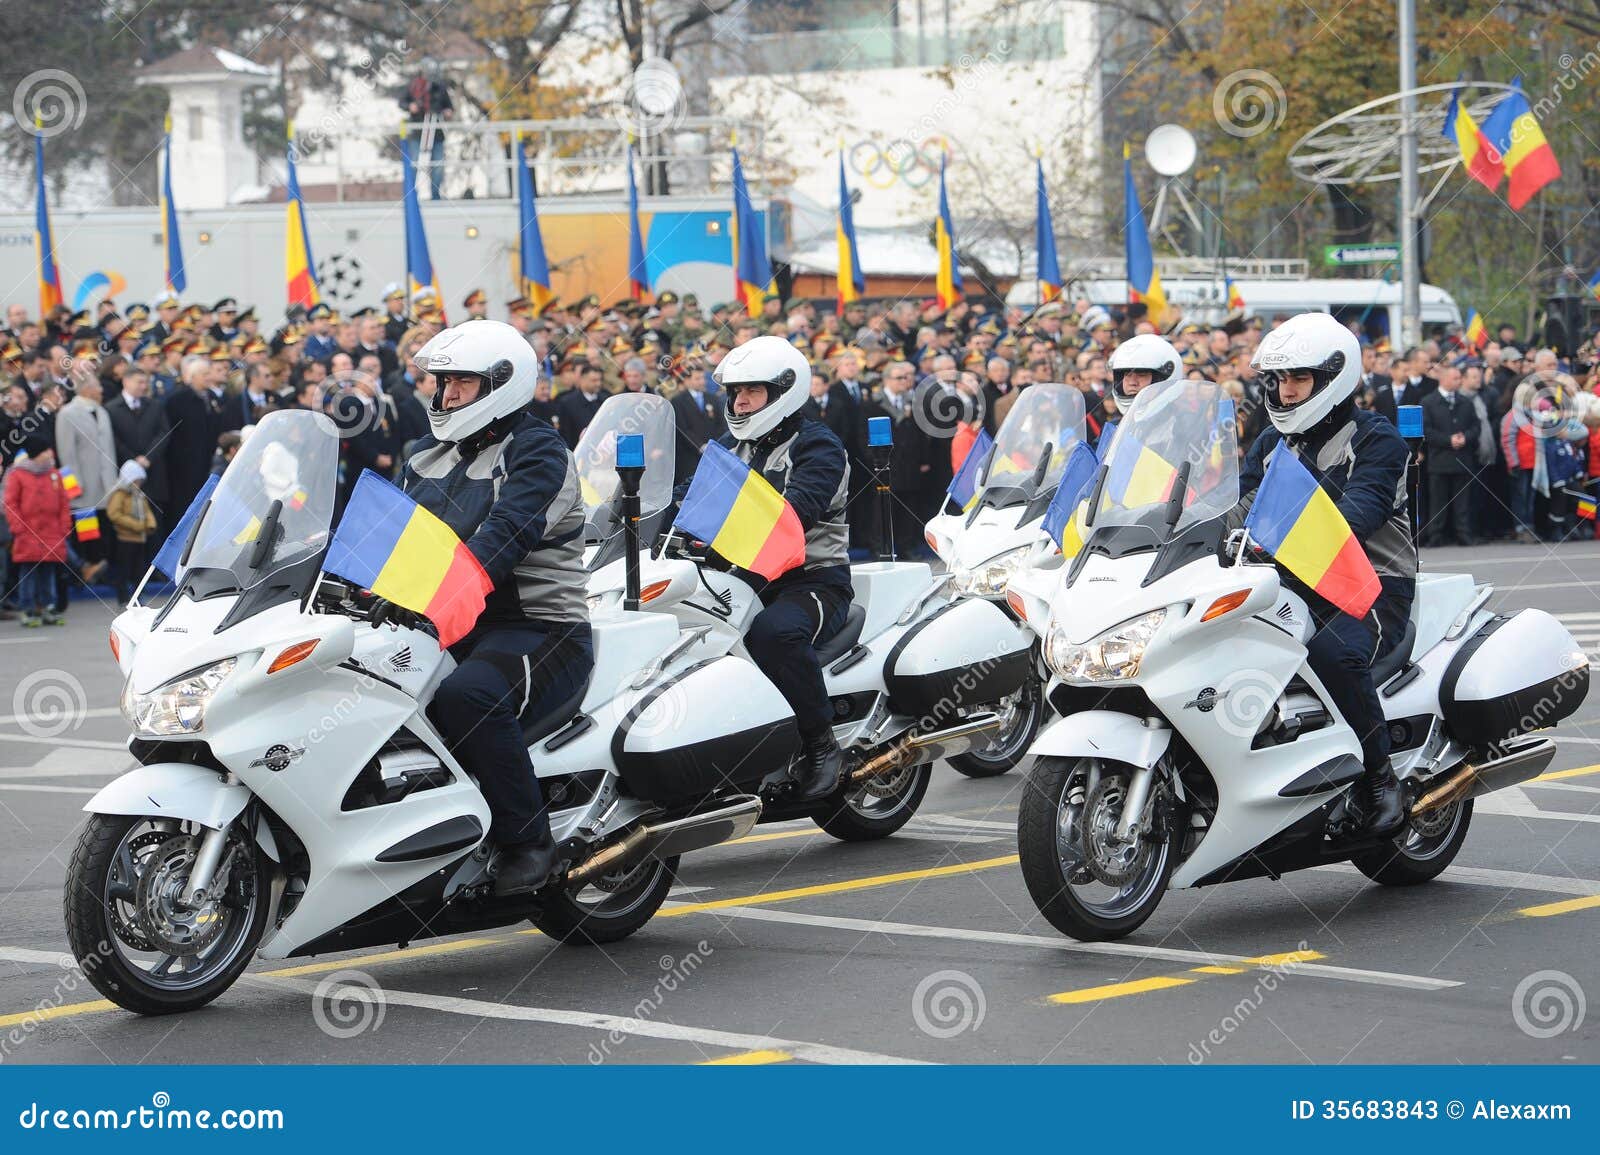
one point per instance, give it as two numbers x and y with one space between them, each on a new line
171 927
1111 860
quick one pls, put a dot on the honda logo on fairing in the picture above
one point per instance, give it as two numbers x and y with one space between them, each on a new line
401 659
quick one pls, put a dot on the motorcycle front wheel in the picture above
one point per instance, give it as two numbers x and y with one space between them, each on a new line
133 937
1089 885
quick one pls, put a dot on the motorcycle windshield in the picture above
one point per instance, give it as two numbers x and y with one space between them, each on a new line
596 455
1182 433
1045 422
284 475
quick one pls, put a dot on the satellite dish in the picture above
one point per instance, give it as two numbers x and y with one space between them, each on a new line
1170 149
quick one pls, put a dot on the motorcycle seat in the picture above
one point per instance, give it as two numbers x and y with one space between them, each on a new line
849 634
1395 660
538 728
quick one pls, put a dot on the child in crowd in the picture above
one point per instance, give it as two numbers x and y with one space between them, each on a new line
132 521
41 521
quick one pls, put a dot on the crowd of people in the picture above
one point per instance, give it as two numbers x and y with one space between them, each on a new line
112 420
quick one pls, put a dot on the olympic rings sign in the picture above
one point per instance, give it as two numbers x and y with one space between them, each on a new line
899 160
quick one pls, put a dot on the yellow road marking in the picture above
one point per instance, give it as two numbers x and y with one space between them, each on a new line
60 1012
1567 906
1118 990
1555 775
773 836
749 1059
1287 958
841 887
1217 970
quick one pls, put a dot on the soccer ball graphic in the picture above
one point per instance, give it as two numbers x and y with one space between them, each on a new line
339 277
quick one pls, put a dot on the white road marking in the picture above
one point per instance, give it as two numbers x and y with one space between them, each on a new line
1119 949
22 954
1498 879
593 1020
944 836
75 743
22 641
96 712
48 789
975 823
1512 802
1569 787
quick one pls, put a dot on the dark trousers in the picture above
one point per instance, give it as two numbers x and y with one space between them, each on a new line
782 642
509 673
1449 508
1341 654
131 561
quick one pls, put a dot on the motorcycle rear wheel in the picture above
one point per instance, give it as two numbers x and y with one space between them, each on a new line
611 907
1421 851
875 809
1010 746
1050 832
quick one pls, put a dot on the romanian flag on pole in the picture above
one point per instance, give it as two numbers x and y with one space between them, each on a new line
752 272
167 559
1516 135
1235 297
533 270
1476 334
176 280
964 485
299 267
1060 517
1480 158
737 513
1295 520
947 281
1144 283
638 271
419 265
70 485
1044 243
852 283
390 545
1138 476
86 524
49 273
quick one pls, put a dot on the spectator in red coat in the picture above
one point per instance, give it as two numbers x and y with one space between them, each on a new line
41 520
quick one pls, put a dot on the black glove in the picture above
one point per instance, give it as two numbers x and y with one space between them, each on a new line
386 612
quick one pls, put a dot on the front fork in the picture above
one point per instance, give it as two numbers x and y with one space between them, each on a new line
1129 823
206 861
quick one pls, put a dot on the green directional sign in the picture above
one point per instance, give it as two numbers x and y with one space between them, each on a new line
1360 254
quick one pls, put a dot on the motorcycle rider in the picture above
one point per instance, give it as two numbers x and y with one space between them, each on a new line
1311 367
1136 364
767 381
505 482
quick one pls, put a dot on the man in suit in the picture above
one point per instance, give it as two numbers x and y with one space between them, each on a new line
854 395
577 407
911 465
699 416
1378 388
139 432
1412 382
1451 429
195 415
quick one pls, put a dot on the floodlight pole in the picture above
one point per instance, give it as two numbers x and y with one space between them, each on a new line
1410 264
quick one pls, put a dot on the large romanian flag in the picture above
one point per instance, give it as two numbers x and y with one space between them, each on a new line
1144 283
176 279
389 544
299 267
752 272
1529 160
1295 520
947 280
852 283
1482 160
964 488
1044 243
533 269
638 270
1062 519
736 512
49 272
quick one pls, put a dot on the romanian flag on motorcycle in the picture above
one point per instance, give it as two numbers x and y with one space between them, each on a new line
389 544
168 559
1295 520
964 488
736 511
1138 476
1060 521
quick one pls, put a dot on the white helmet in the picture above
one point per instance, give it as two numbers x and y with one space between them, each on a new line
490 350
1153 354
1314 343
769 361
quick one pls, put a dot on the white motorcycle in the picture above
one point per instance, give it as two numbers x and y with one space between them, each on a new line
986 544
1196 746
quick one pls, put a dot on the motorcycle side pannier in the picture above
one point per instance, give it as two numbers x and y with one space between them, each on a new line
1518 673
968 654
718 725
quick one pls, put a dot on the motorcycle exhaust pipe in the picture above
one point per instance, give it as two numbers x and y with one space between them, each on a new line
1469 781
674 837
929 747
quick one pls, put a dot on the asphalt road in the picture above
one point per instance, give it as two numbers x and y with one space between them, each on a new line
790 947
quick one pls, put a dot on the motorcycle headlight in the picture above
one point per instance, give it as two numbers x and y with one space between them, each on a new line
989 579
1108 657
179 707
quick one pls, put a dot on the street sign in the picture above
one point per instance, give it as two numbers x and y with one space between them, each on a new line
1359 254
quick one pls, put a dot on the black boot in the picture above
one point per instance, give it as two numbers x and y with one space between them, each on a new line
819 765
1377 804
525 867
